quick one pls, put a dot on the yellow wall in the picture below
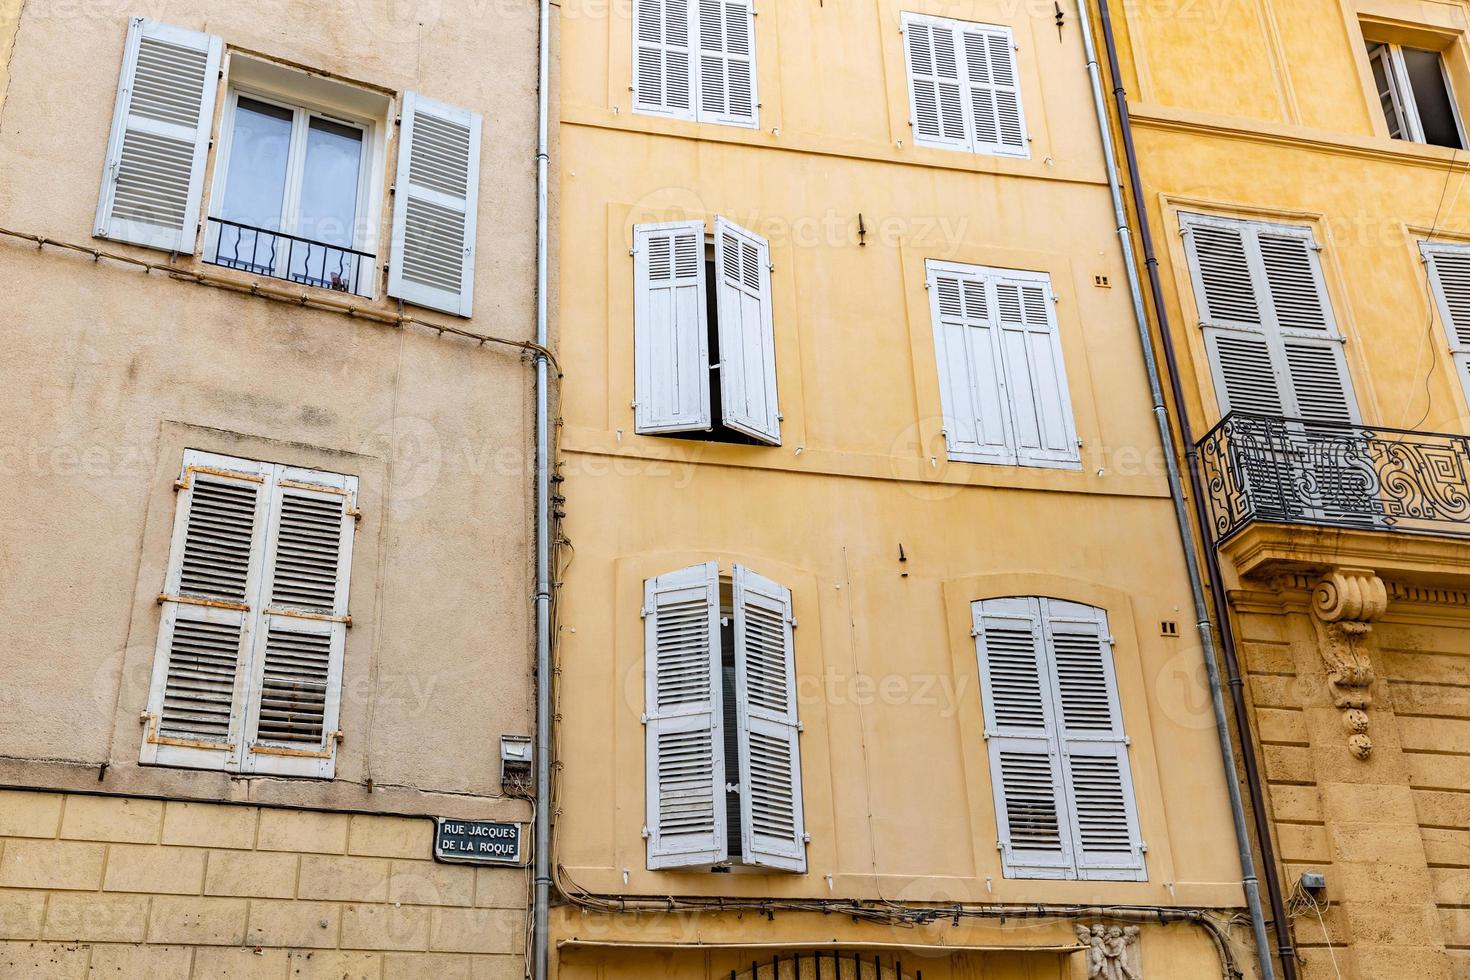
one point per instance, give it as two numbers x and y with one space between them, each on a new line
896 785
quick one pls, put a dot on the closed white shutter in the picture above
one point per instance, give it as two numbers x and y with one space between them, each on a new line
747 333
1105 836
684 752
936 93
1036 838
726 77
967 350
670 328
200 670
772 826
1036 379
1449 277
296 682
663 60
993 91
432 254
160 135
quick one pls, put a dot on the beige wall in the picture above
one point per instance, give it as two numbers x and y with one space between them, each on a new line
113 373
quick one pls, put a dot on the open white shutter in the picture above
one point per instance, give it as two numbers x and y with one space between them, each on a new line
1449 277
1035 377
1104 817
670 328
296 678
747 333
161 127
200 670
1036 838
936 94
977 423
431 260
663 80
993 90
684 750
772 827
726 78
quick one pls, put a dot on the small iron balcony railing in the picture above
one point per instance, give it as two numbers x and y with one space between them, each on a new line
290 257
1265 468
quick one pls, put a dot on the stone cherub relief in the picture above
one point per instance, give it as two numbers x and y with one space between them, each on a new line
1112 951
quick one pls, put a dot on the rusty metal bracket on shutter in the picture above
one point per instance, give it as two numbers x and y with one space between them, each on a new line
189 600
189 472
300 614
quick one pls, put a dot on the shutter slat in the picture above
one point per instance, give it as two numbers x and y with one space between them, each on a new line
293 688
307 552
199 686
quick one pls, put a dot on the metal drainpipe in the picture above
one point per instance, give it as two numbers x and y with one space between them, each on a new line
1285 948
542 885
1249 879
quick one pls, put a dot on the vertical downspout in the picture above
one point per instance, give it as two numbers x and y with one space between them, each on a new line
1284 947
542 884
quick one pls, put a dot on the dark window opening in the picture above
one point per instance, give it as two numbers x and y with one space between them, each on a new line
1414 92
1432 98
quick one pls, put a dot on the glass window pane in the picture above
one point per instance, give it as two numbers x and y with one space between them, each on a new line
1387 97
255 185
330 182
1432 97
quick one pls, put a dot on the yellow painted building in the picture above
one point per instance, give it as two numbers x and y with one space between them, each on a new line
1301 167
874 635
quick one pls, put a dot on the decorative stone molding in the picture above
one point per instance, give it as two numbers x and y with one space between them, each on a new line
1345 603
1112 951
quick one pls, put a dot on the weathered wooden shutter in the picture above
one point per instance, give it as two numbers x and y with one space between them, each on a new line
663 58
1036 839
993 90
684 750
1104 819
747 331
431 259
977 422
670 328
1035 377
772 826
296 683
1449 276
726 78
936 93
200 670
160 135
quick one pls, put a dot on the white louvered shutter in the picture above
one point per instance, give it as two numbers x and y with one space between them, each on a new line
726 76
296 680
161 128
1449 276
1036 839
772 826
936 92
993 90
200 667
747 331
1104 819
684 750
670 328
1043 431
663 59
977 423
431 260
1297 305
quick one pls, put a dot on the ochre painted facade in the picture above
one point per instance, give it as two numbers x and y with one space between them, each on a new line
884 543
1269 110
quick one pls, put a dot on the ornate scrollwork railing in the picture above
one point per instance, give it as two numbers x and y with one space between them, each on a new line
1265 468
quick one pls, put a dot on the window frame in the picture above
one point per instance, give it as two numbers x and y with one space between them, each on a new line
1391 55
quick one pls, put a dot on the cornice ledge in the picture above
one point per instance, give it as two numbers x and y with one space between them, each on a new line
1424 563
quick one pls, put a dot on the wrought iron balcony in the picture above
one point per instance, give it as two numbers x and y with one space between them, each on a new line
282 256
1264 468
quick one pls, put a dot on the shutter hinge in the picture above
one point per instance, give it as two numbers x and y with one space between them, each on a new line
806 838
1315 247
800 727
792 621
1143 847
646 834
643 718
144 718
643 613
1127 740
999 846
339 736
1109 638
632 251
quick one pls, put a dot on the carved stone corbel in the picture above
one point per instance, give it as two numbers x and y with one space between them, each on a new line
1345 603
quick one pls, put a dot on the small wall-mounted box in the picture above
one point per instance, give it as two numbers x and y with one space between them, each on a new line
1313 881
515 761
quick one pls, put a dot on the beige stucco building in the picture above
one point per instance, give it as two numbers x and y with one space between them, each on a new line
266 518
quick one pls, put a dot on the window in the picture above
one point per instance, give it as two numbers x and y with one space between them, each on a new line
1414 91
1002 382
695 59
724 764
300 172
964 91
247 676
1064 798
705 356
1449 276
